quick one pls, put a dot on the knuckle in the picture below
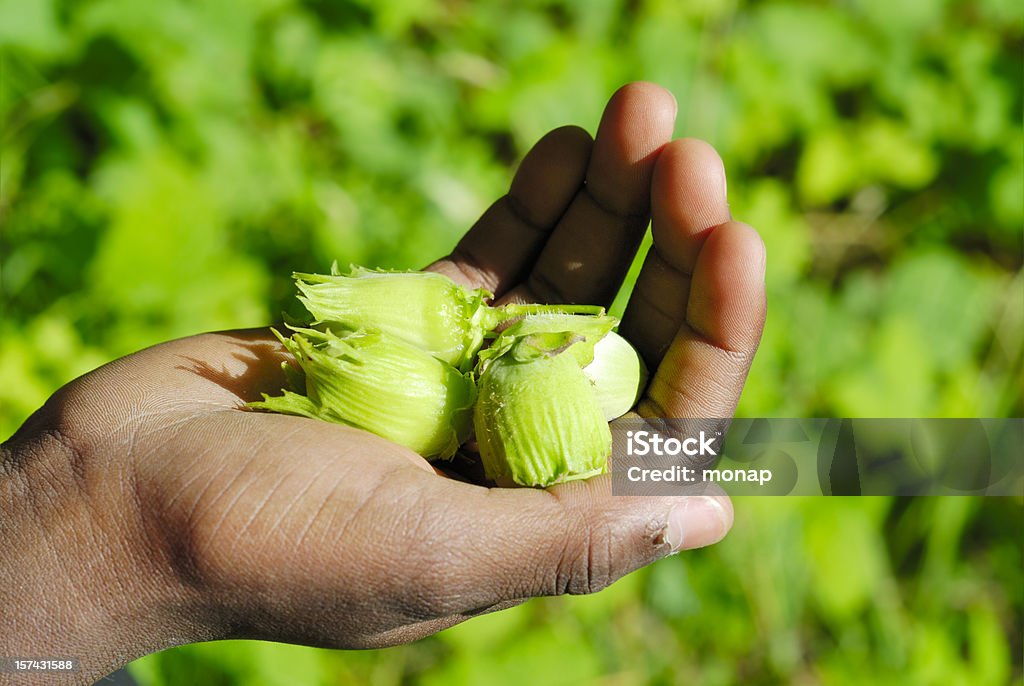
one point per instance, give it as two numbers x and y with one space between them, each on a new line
588 562
591 569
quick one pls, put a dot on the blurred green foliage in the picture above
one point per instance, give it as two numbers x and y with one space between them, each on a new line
165 165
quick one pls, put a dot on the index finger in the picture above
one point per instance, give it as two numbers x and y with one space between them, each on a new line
500 248
591 248
572 538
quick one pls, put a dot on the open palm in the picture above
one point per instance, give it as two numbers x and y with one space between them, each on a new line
230 523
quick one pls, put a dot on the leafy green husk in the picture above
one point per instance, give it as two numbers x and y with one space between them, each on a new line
537 418
390 352
538 422
552 331
425 309
375 381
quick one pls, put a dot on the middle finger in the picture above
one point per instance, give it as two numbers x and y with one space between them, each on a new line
593 245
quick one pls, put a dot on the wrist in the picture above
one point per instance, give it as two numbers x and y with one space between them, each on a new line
74 583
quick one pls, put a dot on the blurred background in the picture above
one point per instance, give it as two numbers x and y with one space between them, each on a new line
165 165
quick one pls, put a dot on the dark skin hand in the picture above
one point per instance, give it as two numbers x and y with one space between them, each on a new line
143 508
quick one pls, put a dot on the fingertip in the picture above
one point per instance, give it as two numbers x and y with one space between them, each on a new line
570 143
728 513
569 137
698 521
755 244
654 97
727 299
743 243
550 174
637 123
688 199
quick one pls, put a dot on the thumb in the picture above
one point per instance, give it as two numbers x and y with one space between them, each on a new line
579 538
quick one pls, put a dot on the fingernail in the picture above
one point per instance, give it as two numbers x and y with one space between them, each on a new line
694 523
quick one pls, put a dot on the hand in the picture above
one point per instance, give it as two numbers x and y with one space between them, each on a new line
142 508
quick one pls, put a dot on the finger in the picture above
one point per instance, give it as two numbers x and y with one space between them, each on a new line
498 250
688 199
508 544
579 538
704 370
593 245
